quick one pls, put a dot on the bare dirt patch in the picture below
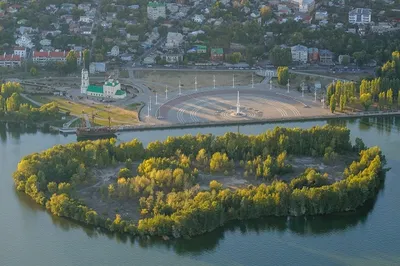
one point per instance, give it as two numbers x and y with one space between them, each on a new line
91 195
299 165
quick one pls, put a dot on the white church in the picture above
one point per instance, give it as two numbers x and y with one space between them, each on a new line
110 89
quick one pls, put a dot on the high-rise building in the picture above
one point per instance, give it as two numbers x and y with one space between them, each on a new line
360 16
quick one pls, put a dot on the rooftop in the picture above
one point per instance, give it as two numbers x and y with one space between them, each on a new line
111 83
95 89
10 57
120 92
155 4
360 11
217 51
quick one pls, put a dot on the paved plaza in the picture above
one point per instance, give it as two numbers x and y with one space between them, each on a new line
258 102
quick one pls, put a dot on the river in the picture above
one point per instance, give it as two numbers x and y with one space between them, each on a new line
370 236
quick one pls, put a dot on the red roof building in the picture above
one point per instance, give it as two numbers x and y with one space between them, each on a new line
43 58
10 60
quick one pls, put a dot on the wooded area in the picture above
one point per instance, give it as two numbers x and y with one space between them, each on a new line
172 204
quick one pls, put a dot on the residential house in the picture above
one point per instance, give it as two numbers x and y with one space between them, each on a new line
321 15
149 60
45 42
24 41
198 18
325 57
43 58
85 7
201 49
85 19
97 67
10 60
360 16
299 53
174 39
313 54
20 51
217 54
156 10
172 58
114 51
306 6
85 30
126 57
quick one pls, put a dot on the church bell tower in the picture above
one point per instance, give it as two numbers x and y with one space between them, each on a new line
84 81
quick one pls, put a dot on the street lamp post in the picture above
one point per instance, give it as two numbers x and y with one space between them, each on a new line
214 81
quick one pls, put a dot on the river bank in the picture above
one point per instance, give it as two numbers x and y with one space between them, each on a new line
318 240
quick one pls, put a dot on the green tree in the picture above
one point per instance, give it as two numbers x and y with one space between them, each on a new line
215 185
389 98
283 75
265 12
72 59
86 58
342 102
280 56
332 103
235 57
366 100
124 173
345 60
382 100
33 71
2 103
398 100
13 102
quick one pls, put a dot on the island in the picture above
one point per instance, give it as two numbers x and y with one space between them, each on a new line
190 185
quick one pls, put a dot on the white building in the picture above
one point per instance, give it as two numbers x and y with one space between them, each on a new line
306 6
10 60
299 53
85 19
198 18
172 58
24 41
115 51
156 10
43 58
321 15
20 51
45 42
97 67
110 89
174 39
360 16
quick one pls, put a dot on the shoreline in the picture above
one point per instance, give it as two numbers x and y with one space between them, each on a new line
149 127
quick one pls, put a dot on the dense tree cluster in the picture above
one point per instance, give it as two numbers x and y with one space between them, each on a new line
13 108
165 186
385 88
